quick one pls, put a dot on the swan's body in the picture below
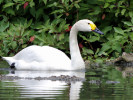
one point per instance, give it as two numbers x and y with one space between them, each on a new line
49 58
38 57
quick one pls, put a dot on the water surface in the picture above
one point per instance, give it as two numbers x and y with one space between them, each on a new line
101 83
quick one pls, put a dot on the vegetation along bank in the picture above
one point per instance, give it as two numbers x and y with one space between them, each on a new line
48 22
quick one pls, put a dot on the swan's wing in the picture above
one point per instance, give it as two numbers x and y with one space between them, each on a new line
41 54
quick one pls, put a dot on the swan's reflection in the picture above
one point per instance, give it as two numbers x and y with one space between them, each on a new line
47 89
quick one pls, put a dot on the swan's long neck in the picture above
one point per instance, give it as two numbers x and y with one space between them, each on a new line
76 58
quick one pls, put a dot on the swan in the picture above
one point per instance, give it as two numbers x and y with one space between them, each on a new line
48 58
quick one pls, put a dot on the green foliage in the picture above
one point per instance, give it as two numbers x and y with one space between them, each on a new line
16 35
48 20
50 34
115 19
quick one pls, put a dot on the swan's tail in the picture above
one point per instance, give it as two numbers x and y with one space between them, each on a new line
10 60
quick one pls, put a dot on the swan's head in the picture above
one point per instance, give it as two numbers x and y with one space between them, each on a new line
87 26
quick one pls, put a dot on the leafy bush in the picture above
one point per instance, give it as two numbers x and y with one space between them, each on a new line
46 22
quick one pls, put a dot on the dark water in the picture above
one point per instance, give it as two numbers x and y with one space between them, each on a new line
102 83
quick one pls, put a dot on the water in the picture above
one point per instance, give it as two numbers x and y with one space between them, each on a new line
102 83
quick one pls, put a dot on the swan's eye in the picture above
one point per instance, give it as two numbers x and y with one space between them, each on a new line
89 23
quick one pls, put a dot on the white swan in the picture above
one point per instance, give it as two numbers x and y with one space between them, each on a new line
49 58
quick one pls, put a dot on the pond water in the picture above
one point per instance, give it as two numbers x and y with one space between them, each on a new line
98 83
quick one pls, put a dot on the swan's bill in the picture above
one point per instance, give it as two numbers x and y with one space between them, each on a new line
97 31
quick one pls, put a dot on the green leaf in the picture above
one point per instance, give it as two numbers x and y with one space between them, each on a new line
110 0
76 5
61 37
53 4
131 14
127 23
24 45
28 24
39 13
94 38
17 7
99 60
90 51
131 35
10 11
132 20
45 2
87 51
83 37
106 29
14 44
8 5
57 11
111 6
102 53
119 37
123 11
118 30
40 38
106 5
32 4
105 47
97 51
4 26
96 11
116 47
32 11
